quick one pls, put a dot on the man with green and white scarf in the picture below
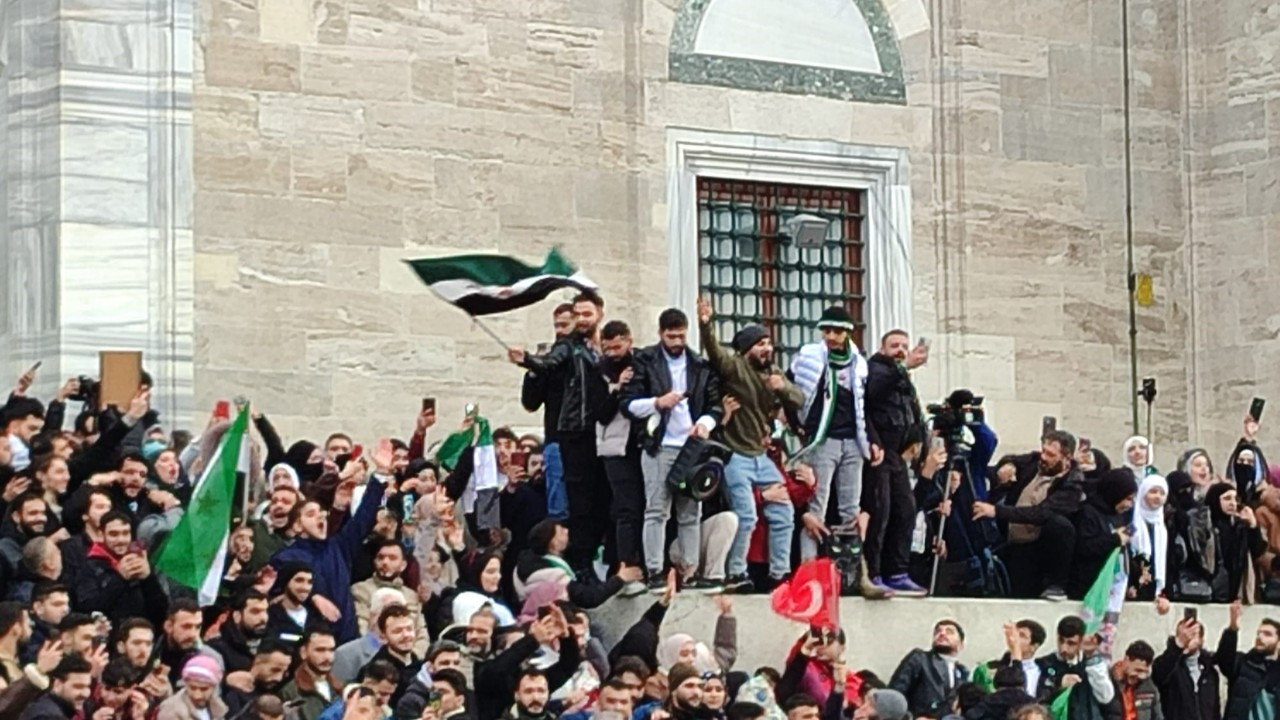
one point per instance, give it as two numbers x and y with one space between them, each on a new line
832 374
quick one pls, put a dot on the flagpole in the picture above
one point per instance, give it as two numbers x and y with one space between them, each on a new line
489 331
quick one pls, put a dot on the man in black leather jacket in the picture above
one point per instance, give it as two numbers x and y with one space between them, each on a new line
569 371
892 410
674 394
925 678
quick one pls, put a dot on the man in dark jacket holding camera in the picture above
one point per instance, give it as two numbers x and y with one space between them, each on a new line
675 395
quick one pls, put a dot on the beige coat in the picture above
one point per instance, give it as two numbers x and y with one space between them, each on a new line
179 707
362 592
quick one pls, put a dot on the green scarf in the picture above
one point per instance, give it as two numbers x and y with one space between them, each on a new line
836 360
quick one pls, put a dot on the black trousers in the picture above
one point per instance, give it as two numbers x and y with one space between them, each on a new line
888 498
588 494
1046 562
627 512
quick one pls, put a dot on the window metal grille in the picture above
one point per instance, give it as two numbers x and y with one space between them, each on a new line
753 274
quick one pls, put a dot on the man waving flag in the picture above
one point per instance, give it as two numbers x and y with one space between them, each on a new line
195 554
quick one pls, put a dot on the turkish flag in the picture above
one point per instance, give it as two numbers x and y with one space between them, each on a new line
812 595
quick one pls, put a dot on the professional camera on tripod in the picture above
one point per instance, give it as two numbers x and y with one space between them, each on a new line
959 422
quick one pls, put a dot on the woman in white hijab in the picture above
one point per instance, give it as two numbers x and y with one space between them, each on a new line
1138 457
1149 546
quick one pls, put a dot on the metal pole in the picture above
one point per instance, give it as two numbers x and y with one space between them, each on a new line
1128 217
489 331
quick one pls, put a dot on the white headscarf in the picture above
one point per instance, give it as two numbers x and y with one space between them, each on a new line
1139 471
1148 522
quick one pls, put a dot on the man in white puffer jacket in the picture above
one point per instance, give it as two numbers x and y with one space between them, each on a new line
832 374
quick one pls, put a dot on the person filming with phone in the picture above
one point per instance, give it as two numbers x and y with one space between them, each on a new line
893 409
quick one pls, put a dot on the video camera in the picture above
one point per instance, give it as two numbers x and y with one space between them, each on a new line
960 410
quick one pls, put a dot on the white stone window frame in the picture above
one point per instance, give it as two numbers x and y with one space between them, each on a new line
881 172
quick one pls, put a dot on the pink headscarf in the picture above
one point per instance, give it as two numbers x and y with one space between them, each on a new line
540 595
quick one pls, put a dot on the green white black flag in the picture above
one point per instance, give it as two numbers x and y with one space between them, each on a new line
489 284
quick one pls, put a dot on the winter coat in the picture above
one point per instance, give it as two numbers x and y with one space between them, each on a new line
1268 514
331 559
179 707
1096 537
1065 495
1248 675
569 370
1181 697
892 405
100 588
48 707
652 379
922 678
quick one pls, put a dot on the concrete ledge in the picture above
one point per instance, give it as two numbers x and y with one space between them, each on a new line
881 633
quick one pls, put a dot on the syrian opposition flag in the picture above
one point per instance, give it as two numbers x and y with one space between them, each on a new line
195 553
489 284
481 492
1100 611
812 595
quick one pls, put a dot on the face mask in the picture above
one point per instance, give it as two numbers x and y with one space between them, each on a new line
151 449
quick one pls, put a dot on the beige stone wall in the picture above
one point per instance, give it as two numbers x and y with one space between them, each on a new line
334 139
1233 117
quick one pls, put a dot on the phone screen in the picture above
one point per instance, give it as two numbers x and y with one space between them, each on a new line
1047 425
1189 614
1256 407
428 404
222 410
357 451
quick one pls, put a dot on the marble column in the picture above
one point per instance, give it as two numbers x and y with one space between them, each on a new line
95 200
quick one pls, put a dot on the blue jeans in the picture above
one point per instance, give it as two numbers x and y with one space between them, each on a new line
557 496
742 475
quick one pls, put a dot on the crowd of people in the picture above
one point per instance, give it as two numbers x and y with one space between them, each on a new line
432 578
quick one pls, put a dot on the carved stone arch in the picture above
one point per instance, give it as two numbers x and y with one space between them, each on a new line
843 49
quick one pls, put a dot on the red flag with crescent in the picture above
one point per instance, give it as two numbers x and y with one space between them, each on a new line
812 595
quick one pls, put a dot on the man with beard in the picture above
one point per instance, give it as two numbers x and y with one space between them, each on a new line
198 699
673 395
181 636
531 698
292 614
1253 678
685 699
331 558
1137 691
389 564
833 377
1038 496
534 395
28 518
396 625
135 641
312 683
239 637
618 444
926 678
69 688
23 419
270 665
569 369
75 550
352 656
761 389
892 411
118 581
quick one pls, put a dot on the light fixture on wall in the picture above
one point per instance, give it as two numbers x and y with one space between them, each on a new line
806 231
